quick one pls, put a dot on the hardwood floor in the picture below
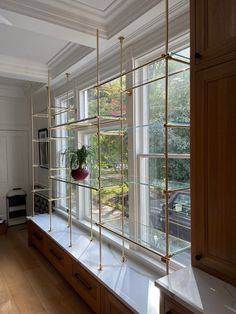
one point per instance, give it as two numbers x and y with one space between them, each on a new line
28 282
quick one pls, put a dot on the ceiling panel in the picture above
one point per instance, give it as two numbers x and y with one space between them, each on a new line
28 45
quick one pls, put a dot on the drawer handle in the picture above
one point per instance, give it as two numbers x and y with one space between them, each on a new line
198 257
37 236
77 276
169 312
59 258
197 55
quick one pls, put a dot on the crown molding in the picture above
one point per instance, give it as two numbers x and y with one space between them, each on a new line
17 68
58 13
144 39
118 17
68 56
81 17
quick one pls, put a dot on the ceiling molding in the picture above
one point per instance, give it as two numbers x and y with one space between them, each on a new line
68 56
63 15
17 68
81 17
118 17
146 38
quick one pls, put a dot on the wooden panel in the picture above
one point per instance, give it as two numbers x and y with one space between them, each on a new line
170 306
86 285
111 305
214 171
36 237
58 257
215 28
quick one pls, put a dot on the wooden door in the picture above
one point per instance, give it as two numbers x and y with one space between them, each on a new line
213 140
213 28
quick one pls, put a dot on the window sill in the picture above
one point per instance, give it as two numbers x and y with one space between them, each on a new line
146 259
130 281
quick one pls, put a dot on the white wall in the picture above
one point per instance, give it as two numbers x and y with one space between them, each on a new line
15 136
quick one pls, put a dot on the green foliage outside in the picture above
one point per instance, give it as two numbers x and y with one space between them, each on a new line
179 142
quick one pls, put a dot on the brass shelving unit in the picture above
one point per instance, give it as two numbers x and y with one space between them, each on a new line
99 122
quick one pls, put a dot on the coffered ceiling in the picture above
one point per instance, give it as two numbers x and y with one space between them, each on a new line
37 34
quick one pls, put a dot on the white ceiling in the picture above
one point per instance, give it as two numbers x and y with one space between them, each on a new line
28 45
61 34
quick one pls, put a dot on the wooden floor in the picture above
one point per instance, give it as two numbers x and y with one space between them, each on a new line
28 282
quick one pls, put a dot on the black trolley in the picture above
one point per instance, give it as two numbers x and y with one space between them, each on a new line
16 206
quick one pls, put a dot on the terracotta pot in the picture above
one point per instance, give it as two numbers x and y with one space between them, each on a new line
80 173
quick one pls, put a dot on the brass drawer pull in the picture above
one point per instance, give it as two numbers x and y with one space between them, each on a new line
59 258
37 236
77 276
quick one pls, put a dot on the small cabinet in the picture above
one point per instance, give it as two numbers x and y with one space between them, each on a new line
213 28
169 306
86 285
111 305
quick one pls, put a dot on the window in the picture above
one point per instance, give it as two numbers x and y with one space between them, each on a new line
66 114
110 154
143 154
151 156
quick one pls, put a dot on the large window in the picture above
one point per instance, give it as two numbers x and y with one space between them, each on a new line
142 158
151 154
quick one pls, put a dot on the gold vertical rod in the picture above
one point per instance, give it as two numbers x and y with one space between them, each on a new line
32 145
166 137
49 153
69 175
99 158
91 217
121 39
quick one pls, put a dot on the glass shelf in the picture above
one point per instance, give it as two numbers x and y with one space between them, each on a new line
89 183
88 122
40 115
152 239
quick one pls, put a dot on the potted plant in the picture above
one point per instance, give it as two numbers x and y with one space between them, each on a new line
78 160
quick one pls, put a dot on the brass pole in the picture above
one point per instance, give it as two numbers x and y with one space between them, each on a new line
49 154
166 137
99 157
69 175
121 39
32 146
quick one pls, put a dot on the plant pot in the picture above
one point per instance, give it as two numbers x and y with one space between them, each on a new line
80 173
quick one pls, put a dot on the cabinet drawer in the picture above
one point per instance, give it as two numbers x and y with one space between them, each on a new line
37 237
60 260
111 305
170 306
86 285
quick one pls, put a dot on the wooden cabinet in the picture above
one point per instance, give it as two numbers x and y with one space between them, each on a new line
214 171
36 237
58 257
86 285
215 29
169 306
94 294
213 133
111 305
